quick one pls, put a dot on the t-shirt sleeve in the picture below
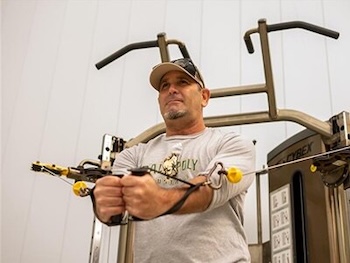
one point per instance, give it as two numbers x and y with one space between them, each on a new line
126 159
233 151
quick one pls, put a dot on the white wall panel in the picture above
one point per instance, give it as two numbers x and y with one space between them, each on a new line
60 132
18 30
338 57
221 59
305 61
23 143
184 21
56 105
103 87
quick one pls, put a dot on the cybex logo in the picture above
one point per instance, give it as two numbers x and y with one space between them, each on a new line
297 154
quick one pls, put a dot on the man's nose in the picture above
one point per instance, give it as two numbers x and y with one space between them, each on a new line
172 88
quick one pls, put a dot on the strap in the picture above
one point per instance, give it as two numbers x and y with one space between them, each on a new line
180 203
114 220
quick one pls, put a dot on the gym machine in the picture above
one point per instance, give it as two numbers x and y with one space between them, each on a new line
296 196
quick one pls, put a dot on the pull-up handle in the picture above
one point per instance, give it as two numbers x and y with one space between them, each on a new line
161 42
124 50
289 25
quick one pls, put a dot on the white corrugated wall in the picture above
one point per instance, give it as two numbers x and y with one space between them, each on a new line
56 105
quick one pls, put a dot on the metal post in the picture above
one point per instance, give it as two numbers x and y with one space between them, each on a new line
123 232
163 48
258 208
338 225
95 241
270 89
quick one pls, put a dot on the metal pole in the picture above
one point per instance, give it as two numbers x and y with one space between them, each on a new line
258 208
162 43
270 89
338 225
95 241
123 230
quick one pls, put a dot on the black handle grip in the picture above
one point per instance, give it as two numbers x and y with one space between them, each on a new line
300 24
115 220
248 43
289 25
140 171
124 50
184 52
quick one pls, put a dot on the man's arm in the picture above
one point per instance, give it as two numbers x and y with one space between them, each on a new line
145 199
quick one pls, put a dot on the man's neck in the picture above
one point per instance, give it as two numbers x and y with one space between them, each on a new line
177 127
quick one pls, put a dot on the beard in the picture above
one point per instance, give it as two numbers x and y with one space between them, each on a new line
173 115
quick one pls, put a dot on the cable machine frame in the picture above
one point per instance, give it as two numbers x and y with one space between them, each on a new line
324 128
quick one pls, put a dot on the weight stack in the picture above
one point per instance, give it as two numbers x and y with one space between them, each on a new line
298 203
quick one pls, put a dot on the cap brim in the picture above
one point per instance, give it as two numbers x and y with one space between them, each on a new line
160 70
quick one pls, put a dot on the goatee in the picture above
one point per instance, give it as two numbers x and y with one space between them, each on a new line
172 115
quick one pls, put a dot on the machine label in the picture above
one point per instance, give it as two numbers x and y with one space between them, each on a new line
281 225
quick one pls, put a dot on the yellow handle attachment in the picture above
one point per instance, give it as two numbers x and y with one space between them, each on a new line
313 168
79 188
234 175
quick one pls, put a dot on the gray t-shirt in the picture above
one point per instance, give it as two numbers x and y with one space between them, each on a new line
216 235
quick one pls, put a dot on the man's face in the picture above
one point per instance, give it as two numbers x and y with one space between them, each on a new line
180 96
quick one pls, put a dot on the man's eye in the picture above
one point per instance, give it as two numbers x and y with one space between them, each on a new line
163 86
183 82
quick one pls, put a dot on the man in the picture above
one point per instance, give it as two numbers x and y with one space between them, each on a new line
208 227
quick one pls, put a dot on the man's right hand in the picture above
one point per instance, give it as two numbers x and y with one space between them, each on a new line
108 198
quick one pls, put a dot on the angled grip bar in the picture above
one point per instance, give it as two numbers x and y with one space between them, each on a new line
161 42
289 25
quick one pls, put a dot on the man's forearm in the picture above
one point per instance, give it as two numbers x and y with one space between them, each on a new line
197 201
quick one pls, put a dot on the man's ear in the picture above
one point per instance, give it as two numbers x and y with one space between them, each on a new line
205 97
